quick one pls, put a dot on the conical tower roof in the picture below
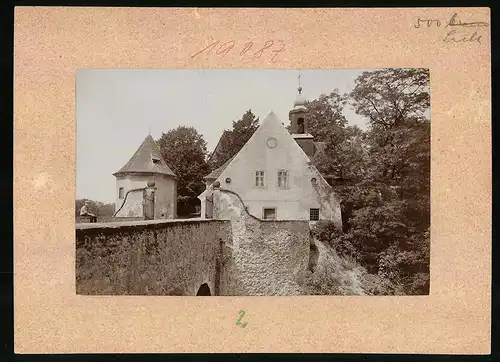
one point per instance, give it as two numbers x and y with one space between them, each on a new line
147 159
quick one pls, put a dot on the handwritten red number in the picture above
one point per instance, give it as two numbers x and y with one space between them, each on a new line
268 44
246 48
226 48
276 52
229 45
211 46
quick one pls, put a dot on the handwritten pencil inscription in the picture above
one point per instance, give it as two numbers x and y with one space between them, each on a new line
456 30
269 48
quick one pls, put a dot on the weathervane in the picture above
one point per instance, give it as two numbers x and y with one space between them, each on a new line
300 87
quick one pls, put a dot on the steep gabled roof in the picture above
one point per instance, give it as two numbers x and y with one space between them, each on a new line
142 160
217 172
217 146
320 147
271 126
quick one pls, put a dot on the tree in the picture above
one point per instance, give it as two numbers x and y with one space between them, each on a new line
389 97
344 151
386 206
392 236
326 120
185 151
344 155
233 140
395 101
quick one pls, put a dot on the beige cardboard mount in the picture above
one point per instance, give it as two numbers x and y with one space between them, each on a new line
51 43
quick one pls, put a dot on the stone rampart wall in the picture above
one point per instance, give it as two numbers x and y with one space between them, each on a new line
167 257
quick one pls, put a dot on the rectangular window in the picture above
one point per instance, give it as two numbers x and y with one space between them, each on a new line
259 178
270 214
314 214
155 160
120 193
282 179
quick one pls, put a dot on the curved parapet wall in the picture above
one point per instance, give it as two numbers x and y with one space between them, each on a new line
132 204
268 257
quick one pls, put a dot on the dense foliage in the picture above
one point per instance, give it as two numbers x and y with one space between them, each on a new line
233 140
382 176
185 151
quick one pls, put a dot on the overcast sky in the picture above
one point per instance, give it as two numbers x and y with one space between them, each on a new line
116 108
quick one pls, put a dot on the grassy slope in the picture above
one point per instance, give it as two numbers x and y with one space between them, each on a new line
334 275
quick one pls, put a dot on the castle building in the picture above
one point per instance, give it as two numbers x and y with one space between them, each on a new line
273 173
144 166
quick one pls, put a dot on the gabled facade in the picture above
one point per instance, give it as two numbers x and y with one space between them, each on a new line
275 177
144 166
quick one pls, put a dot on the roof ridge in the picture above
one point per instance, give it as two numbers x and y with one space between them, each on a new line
217 172
142 160
271 116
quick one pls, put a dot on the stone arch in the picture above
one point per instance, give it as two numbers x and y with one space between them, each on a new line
204 290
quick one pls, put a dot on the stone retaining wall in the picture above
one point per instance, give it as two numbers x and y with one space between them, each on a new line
234 254
165 257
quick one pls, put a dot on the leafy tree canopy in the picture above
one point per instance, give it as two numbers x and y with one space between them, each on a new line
326 120
344 152
185 151
233 140
386 203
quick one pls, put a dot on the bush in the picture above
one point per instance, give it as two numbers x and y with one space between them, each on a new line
334 275
323 282
330 234
321 227
394 252
373 284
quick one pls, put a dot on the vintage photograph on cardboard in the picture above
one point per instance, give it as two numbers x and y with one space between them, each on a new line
253 182
323 174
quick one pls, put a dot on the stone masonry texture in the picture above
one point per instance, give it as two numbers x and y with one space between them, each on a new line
234 254
149 258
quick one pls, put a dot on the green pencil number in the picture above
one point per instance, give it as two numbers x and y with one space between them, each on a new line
238 322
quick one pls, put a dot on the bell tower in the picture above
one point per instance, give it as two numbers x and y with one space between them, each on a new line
299 124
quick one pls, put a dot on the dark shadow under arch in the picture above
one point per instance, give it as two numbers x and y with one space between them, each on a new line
204 290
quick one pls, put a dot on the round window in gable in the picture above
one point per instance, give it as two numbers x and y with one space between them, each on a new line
271 142
228 180
313 180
